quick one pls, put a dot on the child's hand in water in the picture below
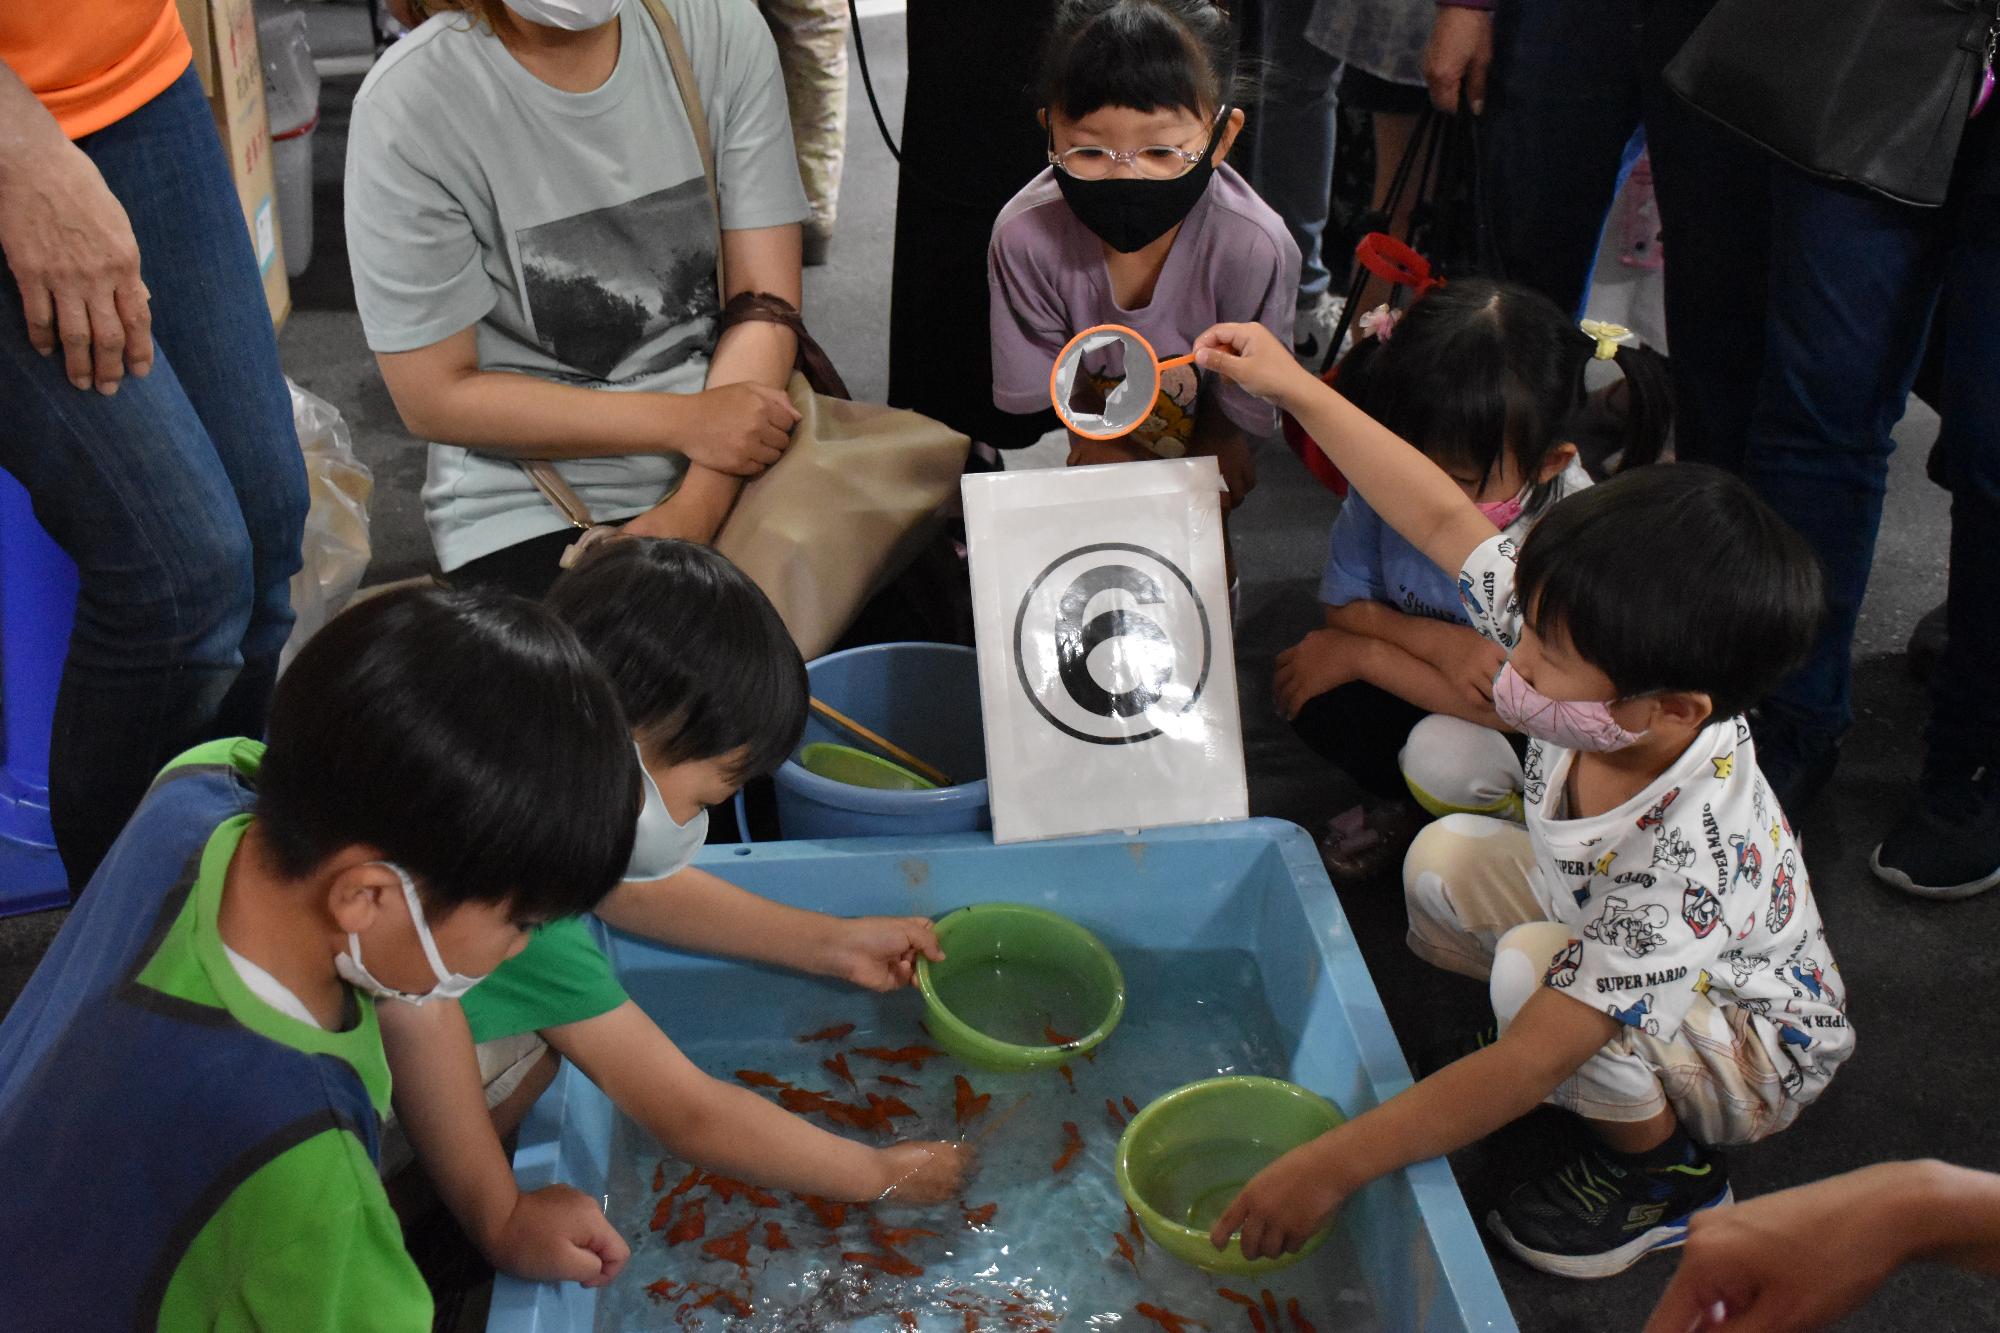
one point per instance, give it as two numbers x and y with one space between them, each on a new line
1251 356
918 1174
1323 660
878 952
1282 1206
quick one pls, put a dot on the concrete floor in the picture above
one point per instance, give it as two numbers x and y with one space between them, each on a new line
1912 967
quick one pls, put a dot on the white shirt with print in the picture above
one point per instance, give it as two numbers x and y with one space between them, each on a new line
1695 886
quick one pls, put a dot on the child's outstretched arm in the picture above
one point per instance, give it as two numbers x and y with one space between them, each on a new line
737 1133
1411 493
550 1235
703 913
1286 1202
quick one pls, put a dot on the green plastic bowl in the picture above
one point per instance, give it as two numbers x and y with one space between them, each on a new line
1012 974
1185 1156
858 768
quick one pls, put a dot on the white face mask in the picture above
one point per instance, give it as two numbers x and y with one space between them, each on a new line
450 985
661 846
574 15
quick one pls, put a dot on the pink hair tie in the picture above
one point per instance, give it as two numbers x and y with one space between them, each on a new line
1379 323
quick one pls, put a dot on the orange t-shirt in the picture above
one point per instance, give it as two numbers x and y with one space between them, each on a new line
94 62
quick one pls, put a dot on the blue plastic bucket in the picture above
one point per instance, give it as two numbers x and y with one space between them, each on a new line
37 602
924 697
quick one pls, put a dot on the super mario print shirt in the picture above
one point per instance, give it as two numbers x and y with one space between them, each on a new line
1694 887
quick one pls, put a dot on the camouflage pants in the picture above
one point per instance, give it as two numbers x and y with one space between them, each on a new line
812 49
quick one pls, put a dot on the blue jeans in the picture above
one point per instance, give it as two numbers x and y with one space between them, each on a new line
1291 159
182 497
1573 79
1854 282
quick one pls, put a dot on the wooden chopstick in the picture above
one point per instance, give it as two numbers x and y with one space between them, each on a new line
888 747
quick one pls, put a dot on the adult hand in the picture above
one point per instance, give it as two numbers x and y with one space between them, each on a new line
1281 1207
879 952
737 429
1323 660
558 1234
1250 355
71 248
1744 1262
920 1174
1470 662
1458 55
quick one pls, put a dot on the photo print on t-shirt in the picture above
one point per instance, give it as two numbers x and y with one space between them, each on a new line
627 291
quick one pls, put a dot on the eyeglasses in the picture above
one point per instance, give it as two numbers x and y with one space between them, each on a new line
1159 162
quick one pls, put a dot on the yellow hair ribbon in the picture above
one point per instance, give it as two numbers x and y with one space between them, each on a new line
1610 337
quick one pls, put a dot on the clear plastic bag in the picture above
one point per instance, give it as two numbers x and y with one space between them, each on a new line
336 547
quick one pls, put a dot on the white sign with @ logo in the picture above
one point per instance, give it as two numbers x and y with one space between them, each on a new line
1107 670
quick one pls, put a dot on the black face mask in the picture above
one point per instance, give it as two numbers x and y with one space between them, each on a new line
1131 213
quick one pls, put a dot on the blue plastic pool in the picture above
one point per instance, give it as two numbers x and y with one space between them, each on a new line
1254 888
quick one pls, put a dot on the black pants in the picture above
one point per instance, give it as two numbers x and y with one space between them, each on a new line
970 140
1361 730
528 568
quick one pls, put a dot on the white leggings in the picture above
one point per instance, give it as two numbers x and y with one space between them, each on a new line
1473 911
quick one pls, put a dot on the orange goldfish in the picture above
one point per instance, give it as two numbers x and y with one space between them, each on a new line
1072 1145
733 1248
914 1056
692 1225
895 1265
969 1105
1249 1304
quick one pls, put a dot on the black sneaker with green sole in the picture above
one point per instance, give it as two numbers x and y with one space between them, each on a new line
1605 1211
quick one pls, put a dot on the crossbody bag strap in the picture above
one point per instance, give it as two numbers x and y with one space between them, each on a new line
704 143
555 488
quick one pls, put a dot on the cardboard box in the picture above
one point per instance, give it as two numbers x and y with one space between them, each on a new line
224 36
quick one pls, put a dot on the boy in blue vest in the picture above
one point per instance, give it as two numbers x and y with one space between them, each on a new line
192 1083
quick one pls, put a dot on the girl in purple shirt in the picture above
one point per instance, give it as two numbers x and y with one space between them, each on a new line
1138 221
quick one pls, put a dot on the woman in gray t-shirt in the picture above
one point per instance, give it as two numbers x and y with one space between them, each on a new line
533 250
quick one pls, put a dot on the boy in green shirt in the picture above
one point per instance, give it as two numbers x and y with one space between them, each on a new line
716 693
195 1072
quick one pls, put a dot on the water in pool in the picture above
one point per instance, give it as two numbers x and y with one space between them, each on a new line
1026 1247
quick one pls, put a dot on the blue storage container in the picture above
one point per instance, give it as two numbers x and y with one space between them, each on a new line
925 698
1256 886
37 601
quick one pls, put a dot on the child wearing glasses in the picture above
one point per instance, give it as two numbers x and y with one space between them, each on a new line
1139 222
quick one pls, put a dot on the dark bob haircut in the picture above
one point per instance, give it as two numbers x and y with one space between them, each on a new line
1675 577
1143 54
701 662
469 738
1475 368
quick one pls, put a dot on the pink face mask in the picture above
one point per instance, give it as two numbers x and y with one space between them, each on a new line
1502 513
1572 724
